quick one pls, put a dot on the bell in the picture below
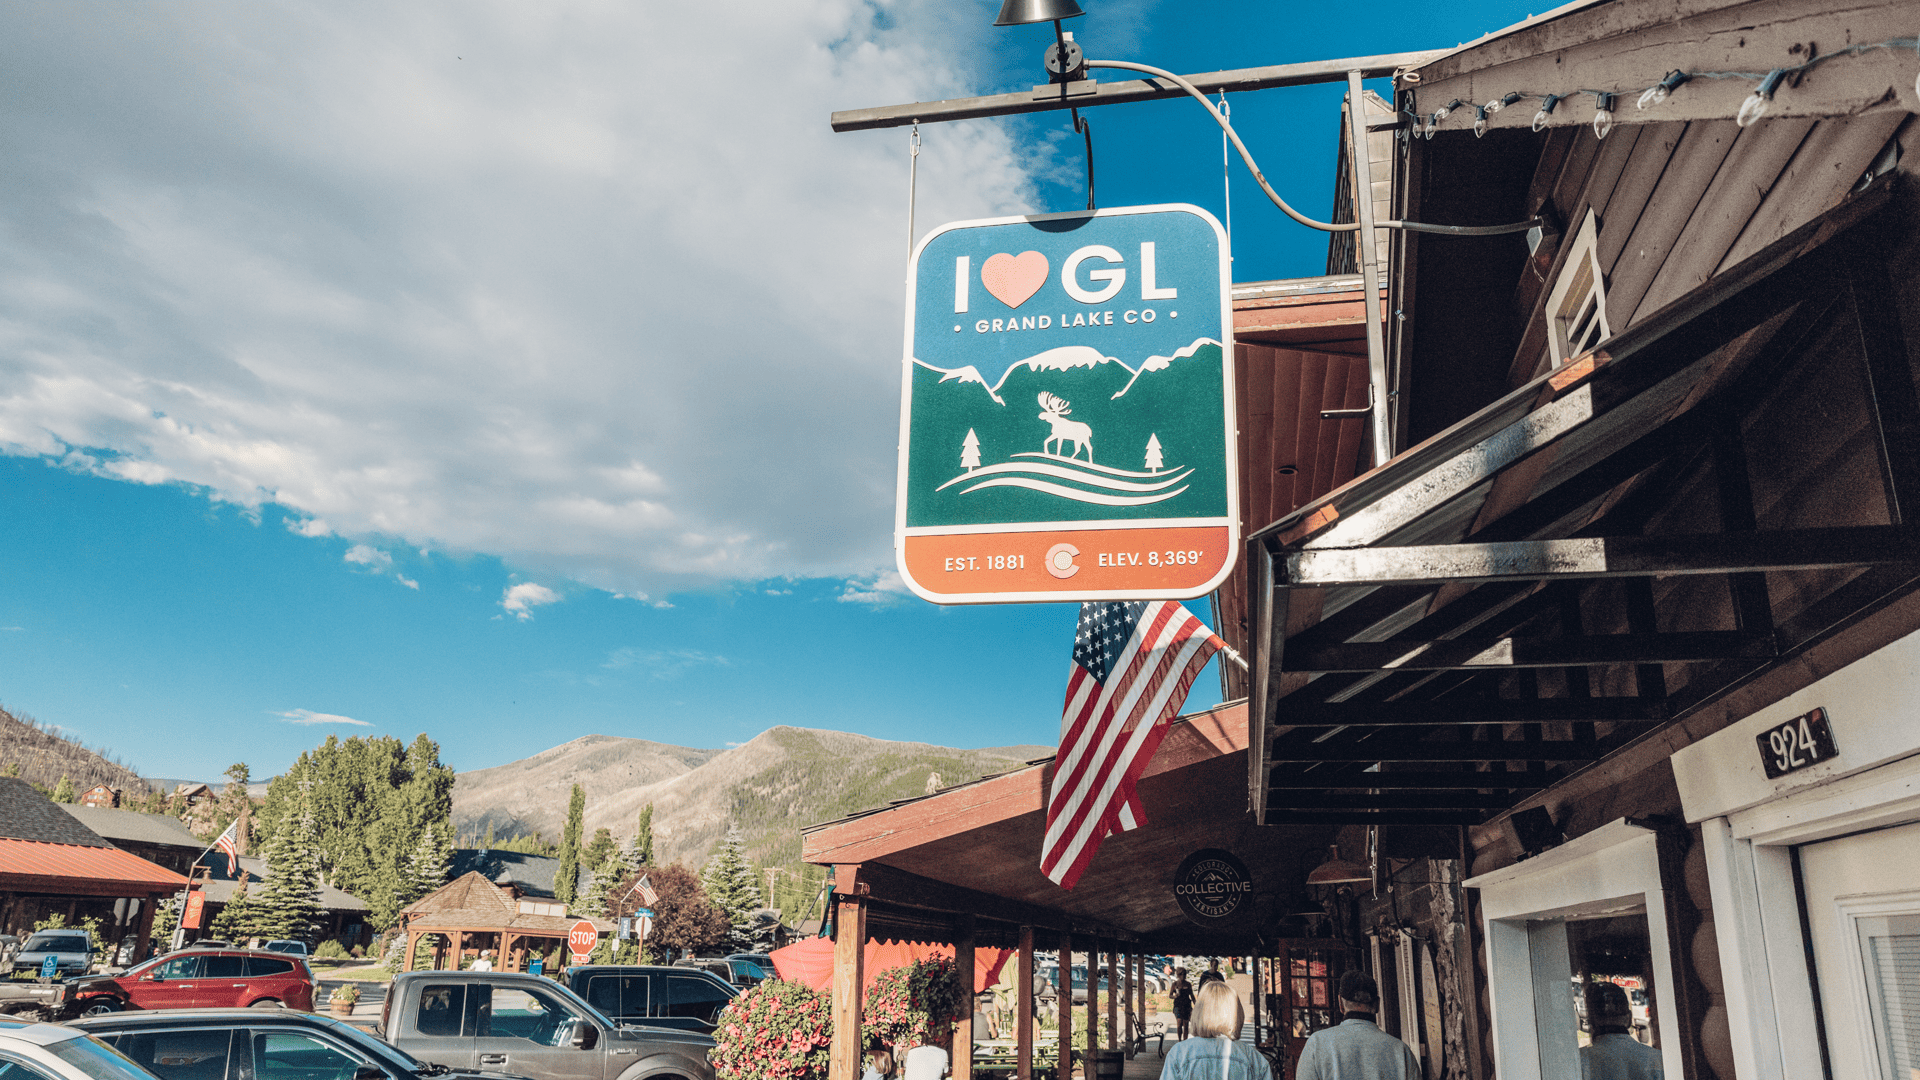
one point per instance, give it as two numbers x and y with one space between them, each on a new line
1021 12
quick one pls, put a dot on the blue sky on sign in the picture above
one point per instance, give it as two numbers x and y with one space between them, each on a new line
515 372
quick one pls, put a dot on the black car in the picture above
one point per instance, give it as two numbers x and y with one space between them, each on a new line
646 995
257 1044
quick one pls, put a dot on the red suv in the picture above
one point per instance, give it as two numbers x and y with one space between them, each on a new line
199 979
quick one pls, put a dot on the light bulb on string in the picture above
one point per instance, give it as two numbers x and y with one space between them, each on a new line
1441 112
1760 100
1658 93
1546 107
1497 104
1480 124
1603 116
1432 122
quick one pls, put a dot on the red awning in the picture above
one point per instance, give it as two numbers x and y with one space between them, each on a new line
29 865
811 961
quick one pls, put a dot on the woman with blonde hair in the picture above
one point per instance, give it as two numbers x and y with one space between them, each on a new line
1215 1052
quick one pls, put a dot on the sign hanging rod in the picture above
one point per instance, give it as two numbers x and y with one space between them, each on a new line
1088 93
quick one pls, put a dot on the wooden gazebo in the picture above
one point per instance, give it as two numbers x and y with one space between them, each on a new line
473 913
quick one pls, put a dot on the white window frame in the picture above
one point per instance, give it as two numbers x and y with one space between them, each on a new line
1612 870
1849 910
1580 280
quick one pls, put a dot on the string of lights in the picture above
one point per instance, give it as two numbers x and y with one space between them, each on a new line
1766 85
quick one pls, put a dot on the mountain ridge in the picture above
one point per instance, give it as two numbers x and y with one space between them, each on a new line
776 783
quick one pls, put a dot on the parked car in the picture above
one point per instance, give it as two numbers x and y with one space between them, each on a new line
70 947
199 1044
740 973
689 999
50 1052
758 959
531 1025
297 948
199 979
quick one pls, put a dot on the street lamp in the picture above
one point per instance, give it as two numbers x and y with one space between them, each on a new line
1064 59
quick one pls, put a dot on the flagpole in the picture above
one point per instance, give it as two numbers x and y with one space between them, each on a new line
1230 653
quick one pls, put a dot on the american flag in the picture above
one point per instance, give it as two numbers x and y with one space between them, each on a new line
1132 666
644 887
229 844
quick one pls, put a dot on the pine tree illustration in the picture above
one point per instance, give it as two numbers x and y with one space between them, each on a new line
1154 463
970 452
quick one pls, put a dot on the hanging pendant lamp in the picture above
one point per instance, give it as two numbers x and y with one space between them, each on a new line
1021 12
1338 871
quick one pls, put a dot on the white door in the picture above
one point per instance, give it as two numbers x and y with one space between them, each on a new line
1863 911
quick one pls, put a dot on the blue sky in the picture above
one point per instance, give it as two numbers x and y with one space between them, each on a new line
512 374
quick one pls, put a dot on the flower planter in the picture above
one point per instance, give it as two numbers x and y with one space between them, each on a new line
340 1008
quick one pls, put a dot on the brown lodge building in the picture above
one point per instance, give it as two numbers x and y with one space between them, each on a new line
1609 672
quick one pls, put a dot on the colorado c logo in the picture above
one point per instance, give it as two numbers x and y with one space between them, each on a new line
1059 560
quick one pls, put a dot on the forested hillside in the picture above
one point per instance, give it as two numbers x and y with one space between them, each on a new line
39 754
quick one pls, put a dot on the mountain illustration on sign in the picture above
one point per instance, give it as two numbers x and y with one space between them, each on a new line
1015 463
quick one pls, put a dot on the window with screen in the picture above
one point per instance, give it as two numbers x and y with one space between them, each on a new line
700 999
1890 950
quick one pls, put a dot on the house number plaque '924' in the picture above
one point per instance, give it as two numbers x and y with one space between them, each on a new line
1794 745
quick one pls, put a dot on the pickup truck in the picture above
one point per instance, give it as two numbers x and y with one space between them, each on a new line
649 995
527 1024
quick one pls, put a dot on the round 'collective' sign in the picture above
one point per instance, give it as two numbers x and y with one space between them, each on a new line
1212 886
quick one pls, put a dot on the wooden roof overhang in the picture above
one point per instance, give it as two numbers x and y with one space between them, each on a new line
1614 544
973 852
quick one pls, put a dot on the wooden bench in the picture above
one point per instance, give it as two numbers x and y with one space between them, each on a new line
1138 1041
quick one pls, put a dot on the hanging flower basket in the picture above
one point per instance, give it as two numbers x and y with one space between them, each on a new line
775 1029
912 1004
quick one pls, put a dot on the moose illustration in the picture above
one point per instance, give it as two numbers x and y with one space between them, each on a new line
1064 430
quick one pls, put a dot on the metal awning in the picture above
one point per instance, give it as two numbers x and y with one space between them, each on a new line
1616 543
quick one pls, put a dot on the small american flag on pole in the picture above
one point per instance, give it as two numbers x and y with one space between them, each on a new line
1132 666
644 887
229 843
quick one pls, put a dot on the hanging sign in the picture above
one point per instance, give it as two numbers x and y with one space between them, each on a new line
1212 887
196 905
1797 743
1066 418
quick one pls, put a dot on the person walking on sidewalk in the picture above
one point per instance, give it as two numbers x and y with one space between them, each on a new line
1356 1048
1182 994
1215 1052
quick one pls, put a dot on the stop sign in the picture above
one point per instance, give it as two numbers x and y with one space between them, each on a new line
582 937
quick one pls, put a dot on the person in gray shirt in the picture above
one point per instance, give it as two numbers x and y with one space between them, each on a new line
1355 1048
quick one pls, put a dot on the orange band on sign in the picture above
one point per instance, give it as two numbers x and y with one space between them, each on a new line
1169 559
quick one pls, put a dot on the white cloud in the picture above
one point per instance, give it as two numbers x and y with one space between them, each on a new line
308 716
521 599
885 587
369 556
488 276
407 581
663 663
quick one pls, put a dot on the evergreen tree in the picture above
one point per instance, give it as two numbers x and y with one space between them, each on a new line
1154 463
427 868
643 838
64 790
596 853
486 842
732 886
970 452
289 905
610 879
566 879
237 919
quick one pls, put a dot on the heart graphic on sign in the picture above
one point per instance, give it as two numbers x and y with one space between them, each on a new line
1013 279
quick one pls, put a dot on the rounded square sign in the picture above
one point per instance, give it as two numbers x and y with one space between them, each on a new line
1066 412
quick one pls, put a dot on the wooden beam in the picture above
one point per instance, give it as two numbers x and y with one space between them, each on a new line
895 887
1063 1005
1113 986
963 1033
1601 557
1692 647
1584 710
849 982
1088 93
1630 44
1390 800
1328 780
1463 750
1023 1023
1385 817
